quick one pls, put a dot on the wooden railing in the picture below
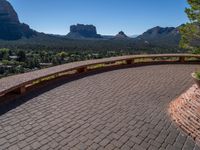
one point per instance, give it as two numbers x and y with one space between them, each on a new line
18 84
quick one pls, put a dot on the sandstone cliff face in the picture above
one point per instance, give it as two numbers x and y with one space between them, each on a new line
83 31
7 11
10 26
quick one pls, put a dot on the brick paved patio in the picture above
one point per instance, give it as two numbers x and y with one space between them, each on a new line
121 109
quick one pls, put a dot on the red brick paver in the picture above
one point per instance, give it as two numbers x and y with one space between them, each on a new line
185 111
121 109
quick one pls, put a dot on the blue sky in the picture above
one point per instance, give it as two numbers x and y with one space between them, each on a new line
109 16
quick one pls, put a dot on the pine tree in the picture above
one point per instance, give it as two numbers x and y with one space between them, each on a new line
190 32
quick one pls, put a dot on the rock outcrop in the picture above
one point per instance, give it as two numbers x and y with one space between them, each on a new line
81 31
121 35
7 12
10 26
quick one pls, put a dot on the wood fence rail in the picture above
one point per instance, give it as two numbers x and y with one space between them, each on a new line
19 83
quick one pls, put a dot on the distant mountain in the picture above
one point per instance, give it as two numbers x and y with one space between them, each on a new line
161 36
107 37
159 32
13 33
81 31
10 26
121 36
133 36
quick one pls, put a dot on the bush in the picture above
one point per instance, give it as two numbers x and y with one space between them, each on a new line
197 74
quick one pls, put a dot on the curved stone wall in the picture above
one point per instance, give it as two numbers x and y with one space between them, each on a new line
19 83
185 111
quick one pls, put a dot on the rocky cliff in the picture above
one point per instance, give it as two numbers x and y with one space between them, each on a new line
81 31
8 12
10 26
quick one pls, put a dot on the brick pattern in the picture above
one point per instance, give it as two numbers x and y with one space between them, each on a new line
122 109
185 111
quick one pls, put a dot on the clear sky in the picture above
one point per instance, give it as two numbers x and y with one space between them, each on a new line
109 16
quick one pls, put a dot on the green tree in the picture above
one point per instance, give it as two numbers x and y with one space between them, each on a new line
55 61
4 54
190 32
19 69
21 56
62 55
33 62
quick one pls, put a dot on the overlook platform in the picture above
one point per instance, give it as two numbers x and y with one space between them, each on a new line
19 84
125 109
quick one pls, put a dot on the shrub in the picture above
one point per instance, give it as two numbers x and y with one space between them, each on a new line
197 74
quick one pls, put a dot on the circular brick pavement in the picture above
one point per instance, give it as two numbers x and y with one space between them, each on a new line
120 109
